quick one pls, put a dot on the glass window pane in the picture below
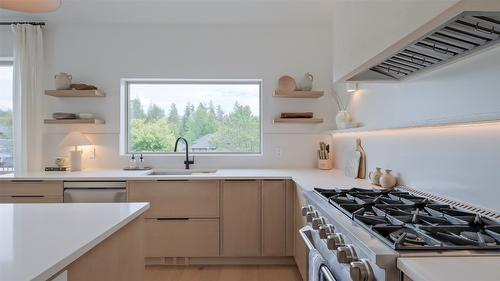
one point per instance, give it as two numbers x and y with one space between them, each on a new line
6 144
215 117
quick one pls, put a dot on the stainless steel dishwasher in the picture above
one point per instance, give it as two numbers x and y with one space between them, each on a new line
95 191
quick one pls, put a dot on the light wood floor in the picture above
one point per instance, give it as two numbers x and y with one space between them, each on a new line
223 273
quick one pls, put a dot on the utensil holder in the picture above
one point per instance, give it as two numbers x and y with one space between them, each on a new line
325 164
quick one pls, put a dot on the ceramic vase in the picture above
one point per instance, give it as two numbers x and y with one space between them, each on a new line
375 176
387 180
343 119
62 81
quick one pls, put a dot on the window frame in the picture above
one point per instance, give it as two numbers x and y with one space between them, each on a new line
9 61
124 107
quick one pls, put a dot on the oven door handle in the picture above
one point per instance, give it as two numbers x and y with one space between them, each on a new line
327 274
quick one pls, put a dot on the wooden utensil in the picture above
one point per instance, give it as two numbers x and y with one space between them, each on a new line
362 160
287 83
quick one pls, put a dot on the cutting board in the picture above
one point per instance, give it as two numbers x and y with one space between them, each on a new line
351 167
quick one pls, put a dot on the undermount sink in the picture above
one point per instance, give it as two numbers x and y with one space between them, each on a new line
173 172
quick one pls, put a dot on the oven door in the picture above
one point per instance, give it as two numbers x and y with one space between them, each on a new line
325 273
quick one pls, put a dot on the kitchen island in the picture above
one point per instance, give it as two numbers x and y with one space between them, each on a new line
71 241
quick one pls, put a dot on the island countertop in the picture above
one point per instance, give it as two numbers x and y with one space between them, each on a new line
39 240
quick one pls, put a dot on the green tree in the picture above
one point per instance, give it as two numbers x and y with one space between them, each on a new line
156 136
136 109
155 113
200 123
174 119
188 110
219 114
240 132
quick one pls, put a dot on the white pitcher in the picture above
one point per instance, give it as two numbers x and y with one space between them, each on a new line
62 81
307 82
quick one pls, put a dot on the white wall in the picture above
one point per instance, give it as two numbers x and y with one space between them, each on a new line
101 54
459 162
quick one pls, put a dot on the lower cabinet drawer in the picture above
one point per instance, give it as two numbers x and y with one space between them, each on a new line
31 199
182 238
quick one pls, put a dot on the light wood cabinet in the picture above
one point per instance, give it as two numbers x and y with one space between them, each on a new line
182 238
177 199
301 252
273 218
241 218
31 191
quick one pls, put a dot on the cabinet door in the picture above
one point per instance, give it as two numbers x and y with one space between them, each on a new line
31 199
273 218
182 238
177 199
301 252
31 188
241 231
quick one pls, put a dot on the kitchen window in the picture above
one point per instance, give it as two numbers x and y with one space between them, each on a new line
6 103
214 116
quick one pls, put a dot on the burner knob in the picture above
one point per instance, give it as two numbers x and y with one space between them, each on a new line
334 240
317 222
361 271
346 254
311 215
305 209
325 230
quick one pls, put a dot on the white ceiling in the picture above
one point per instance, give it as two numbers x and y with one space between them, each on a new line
185 12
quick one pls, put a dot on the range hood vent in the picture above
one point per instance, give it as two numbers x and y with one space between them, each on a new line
463 35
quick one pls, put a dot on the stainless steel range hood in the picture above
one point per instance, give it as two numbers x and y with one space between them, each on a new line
463 35
466 28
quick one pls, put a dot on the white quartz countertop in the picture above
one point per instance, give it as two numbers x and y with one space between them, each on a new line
451 268
306 178
39 240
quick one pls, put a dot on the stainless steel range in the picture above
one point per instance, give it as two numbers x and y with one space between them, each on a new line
361 232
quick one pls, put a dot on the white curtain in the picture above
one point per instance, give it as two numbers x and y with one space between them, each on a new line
28 90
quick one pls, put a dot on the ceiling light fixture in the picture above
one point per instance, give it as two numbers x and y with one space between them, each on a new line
31 6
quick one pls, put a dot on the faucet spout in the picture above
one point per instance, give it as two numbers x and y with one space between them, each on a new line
187 162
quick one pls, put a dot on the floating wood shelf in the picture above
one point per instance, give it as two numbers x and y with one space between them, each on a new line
73 121
298 120
298 94
74 93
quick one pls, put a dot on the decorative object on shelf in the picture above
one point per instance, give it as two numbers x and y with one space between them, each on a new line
298 120
31 6
387 181
75 139
63 115
85 115
297 115
287 83
324 161
57 169
61 161
343 118
374 176
362 160
82 87
351 87
307 82
62 81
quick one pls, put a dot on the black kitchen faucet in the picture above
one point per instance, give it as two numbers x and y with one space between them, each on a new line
187 162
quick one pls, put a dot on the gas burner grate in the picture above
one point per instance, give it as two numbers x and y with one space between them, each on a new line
408 221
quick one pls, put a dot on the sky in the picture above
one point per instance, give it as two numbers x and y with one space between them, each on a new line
225 95
5 87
